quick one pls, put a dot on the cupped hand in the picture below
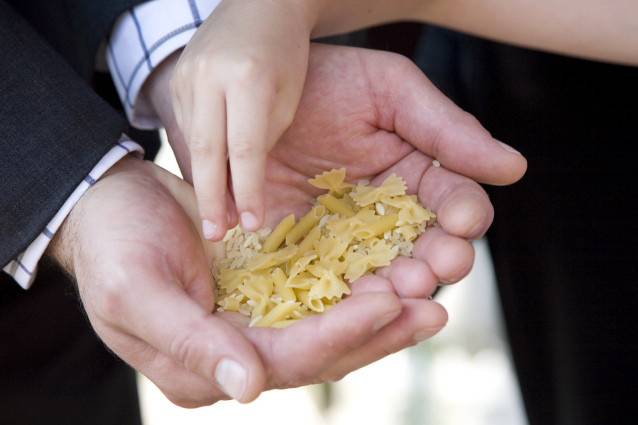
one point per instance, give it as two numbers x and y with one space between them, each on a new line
374 113
143 274
144 281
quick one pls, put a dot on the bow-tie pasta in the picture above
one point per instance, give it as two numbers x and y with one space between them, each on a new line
303 267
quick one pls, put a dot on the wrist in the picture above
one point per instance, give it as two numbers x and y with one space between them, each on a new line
66 244
157 88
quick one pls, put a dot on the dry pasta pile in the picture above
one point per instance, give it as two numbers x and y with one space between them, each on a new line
303 267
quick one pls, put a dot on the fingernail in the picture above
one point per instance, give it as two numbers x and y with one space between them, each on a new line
385 319
231 377
249 221
508 148
209 229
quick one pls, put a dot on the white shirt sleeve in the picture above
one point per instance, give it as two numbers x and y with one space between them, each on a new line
23 268
141 39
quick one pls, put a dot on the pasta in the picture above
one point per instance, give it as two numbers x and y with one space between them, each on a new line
365 195
336 205
278 235
306 223
333 180
303 268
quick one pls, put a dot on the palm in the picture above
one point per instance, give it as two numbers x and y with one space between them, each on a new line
133 234
137 249
337 125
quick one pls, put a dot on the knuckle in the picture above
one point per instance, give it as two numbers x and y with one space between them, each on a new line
211 202
199 146
470 119
242 148
192 350
248 68
248 198
472 122
193 67
402 64
184 348
201 65
346 338
437 139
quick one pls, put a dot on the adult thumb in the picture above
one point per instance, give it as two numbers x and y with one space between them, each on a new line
433 124
175 324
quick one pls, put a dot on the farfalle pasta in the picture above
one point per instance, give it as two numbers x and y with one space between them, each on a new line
304 267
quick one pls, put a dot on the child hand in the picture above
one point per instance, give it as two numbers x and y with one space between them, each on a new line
235 91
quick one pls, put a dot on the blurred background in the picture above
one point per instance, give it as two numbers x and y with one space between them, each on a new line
461 376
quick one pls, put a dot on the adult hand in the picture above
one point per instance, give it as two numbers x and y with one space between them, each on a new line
144 280
374 113
146 286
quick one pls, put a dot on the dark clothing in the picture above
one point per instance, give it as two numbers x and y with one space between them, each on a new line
74 28
54 369
564 238
54 128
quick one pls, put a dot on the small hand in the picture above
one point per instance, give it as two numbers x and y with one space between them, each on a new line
235 90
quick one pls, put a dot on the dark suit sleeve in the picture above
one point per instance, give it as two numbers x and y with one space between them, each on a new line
74 28
53 130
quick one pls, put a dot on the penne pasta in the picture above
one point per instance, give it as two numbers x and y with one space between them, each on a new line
284 323
378 227
278 235
304 225
272 259
313 304
278 313
280 279
346 234
299 266
307 244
